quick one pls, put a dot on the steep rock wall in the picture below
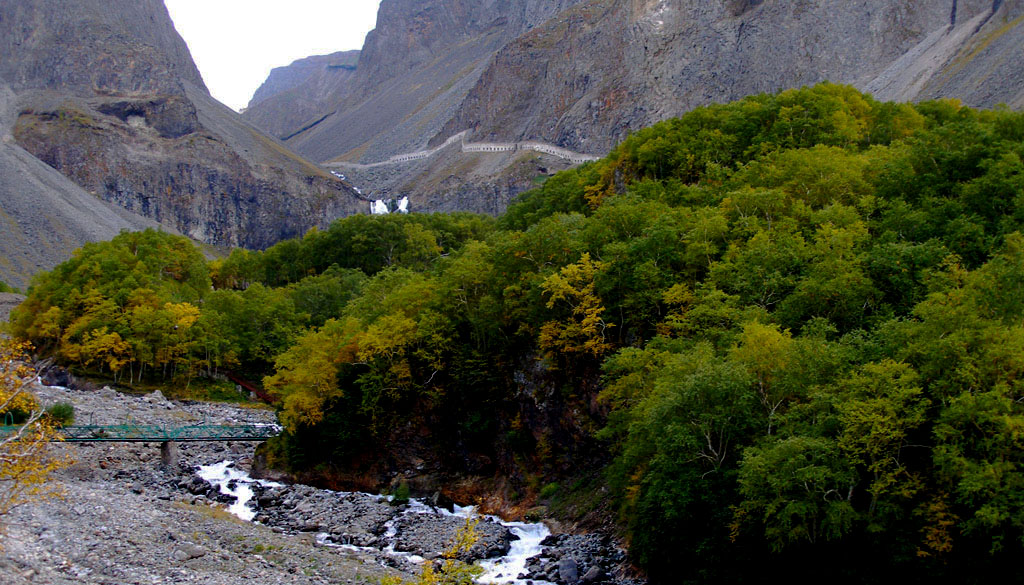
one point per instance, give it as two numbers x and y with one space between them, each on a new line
91 46
43 215
607 67
297 96
415 68
582 75
105 92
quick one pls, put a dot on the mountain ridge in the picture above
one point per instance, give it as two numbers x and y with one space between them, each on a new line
585 74
106 93
293 96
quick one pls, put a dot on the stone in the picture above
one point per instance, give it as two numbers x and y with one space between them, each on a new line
568 571
593 575
184 552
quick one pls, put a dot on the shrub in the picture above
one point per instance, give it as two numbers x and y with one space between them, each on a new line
547 492
401 494
62 413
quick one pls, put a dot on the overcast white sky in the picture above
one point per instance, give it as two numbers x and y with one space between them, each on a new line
235 43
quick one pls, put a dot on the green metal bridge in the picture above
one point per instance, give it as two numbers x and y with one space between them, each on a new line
131 433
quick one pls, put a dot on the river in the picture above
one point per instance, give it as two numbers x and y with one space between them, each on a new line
503 570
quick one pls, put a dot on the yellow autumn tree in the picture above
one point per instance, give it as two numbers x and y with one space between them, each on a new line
106 349
306 377
766 350
25 459
179 339
583 333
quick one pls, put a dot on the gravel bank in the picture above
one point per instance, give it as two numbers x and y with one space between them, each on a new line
127 519
124 520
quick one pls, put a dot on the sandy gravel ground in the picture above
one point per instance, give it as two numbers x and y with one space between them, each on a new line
122 521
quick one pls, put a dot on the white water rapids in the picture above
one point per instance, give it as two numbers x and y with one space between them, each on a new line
233 482
498 571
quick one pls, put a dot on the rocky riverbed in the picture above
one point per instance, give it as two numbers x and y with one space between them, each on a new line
124 517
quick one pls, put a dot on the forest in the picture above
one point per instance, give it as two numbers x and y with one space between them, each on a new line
785 332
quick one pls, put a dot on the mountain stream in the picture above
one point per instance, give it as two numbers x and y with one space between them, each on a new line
497 571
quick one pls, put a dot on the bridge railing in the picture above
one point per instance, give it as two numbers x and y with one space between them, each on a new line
132 433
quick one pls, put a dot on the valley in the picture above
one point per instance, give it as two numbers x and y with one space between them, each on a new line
680 291
123 517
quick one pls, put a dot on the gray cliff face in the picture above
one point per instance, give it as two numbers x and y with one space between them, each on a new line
414 70
287 78
572 83
90 46
584 74
43 215
300 94
975 59
195 182
105 92
411 34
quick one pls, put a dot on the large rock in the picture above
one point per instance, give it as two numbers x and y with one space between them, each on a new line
429 536
568 572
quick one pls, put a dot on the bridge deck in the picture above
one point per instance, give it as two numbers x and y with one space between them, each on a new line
129 433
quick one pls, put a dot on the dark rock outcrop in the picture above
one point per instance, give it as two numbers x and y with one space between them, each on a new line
43 215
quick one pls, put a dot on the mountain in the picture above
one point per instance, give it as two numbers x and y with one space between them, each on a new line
43 215
106 93
571 83
415 68
295 95
583 74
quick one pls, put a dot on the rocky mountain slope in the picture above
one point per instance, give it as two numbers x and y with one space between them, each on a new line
414 70
572 83
296 95
106 93
43 215
583 74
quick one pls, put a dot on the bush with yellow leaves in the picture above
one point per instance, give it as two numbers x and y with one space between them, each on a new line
451 571
25 458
